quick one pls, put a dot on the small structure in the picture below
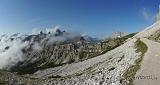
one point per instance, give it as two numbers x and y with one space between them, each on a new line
118 34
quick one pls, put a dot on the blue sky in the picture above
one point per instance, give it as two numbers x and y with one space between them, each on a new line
93 17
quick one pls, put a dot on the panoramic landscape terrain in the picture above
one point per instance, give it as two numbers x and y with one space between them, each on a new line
85 49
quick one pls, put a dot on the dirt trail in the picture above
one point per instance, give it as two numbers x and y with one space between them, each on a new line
149 73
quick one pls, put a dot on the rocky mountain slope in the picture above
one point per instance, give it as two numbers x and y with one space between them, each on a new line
41 52
149 31
76 61
53 50
106 69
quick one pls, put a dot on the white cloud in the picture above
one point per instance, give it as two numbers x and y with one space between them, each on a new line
13 55
37 47
145 14
11 51
35 31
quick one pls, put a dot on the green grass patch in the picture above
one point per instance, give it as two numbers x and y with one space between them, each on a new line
3 82
130 35
141 47
131 71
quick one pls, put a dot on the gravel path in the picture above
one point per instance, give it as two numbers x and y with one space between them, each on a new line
149 74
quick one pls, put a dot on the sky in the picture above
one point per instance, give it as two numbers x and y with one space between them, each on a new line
98 18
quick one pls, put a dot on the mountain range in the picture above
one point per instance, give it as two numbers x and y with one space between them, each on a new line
64 58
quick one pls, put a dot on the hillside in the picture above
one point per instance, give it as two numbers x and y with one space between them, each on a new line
77 61
43 52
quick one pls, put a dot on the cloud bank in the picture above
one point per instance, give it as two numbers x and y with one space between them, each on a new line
11 52
11 47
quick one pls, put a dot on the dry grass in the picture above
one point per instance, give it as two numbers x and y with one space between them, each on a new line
131 71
